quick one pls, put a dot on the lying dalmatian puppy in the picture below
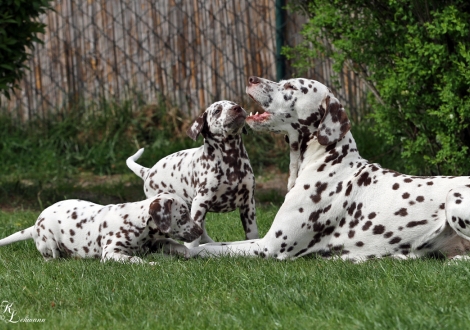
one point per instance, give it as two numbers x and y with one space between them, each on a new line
339 204
81 229
216 177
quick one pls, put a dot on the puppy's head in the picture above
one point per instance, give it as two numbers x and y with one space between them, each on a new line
171 216
223 119
297 106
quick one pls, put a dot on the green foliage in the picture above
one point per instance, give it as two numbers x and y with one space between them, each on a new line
47 160
266 149
94 138
415 56
374 147
19 31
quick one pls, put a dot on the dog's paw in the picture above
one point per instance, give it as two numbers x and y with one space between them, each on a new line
178 250
457 259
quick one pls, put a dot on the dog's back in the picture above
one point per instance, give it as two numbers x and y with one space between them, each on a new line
174 174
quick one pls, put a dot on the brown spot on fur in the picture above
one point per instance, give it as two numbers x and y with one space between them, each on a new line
401 212
378 230
367 225
416 223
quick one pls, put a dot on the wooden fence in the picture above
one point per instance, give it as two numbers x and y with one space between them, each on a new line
190 52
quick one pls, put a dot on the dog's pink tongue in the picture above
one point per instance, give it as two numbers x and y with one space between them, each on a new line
258 117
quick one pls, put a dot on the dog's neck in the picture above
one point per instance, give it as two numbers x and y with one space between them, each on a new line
310 152
298 142
232 144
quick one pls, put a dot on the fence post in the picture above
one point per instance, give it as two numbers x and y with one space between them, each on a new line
280 36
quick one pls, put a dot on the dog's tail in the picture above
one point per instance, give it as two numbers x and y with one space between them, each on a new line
139 170
18 236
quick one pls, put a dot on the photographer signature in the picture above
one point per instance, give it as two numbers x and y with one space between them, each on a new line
9 315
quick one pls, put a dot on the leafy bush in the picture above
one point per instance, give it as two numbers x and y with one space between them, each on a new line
415 56
92 138
18 32
99 137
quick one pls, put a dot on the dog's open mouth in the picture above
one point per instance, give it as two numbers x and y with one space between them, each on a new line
236 122
259 115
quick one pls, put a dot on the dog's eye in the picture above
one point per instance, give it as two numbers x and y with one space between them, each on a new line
217 111
290 86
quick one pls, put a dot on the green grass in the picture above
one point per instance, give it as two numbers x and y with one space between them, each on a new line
44 161
230 293
37 195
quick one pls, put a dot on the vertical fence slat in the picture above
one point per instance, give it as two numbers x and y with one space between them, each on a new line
190 52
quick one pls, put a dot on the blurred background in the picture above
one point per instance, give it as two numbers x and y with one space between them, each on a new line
189 53
101 79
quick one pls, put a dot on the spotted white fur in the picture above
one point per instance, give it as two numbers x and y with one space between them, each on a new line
338 203
81 229
216 177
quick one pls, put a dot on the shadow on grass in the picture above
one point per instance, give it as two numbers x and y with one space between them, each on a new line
37 195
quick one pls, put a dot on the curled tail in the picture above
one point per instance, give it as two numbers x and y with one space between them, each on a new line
139 170
18 236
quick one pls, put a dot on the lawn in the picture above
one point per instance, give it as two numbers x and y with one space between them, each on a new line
46 162
228 293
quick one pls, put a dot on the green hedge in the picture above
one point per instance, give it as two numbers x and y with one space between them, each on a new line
415 55
18 33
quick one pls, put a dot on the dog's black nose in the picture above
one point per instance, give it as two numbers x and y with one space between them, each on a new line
237 108
253 80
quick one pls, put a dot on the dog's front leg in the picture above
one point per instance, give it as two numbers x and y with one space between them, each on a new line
120 257
253 248
171 247
293 171
199 208
248 216
294 155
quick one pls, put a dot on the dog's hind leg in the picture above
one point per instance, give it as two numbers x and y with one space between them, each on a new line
458 211
108 254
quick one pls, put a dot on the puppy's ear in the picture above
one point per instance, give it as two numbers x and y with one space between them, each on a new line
160 211
198 126
334 124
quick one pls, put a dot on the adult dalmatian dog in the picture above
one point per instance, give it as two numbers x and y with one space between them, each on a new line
216 177
81 229
339 204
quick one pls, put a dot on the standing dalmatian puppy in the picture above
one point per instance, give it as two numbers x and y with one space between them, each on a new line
81 229
339 204
216 177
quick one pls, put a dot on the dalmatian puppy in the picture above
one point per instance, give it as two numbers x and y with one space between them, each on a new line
339 204
216 177
81 229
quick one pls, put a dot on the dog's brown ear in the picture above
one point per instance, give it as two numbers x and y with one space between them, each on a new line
160 211
197 127
334 124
